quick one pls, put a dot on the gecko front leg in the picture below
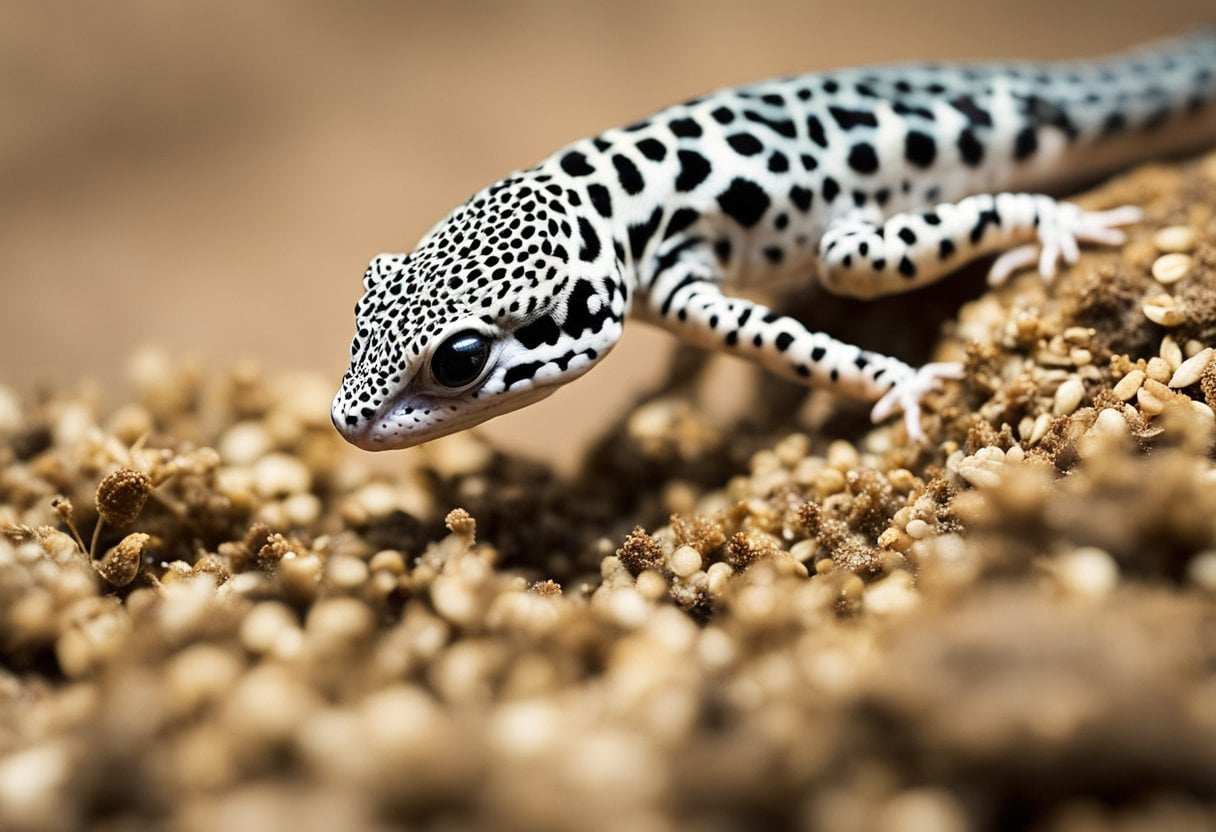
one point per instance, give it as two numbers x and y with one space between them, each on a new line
687 300
864 258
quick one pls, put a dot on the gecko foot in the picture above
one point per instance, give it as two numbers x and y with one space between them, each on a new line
906 395
1060 233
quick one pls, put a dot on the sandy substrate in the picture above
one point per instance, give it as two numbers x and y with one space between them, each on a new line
713 627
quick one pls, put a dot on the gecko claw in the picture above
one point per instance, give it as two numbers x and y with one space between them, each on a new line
906 395
1060 234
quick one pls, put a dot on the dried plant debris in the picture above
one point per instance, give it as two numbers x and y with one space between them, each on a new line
214 615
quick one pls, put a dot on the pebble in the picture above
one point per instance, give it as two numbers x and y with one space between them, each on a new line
1191 370
245 443
917 529
10 411
1148 401
1170 268
280 474
1175 238
684 561
717 577
264 625
1158 369
627 608
1201 571
1088 571
346 572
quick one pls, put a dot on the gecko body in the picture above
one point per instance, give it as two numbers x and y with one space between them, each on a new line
872 181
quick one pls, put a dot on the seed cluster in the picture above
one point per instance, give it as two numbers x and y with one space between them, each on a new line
711 627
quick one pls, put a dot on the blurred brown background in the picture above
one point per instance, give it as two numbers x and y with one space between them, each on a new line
213 177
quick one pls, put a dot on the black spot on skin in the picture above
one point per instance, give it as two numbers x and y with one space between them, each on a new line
986 218
781 127
802 370
848 119
693 169
1026 143
907 268
591 242
723 115
879 264
781 221
904 109
800 197
919 148
680 220
774 99
521 372
945 249
652 149
732 338
975 114
808 162
907 235
543 330
862 158
783 341
687 280
601 144
830 86
685 128
814 129
601 200
669 258
831 189
722 252
745 144
773 254
931 218
778 163
639 235
817 354
579 318
882 196
744 201
970 148
1114 123
627 174
575 164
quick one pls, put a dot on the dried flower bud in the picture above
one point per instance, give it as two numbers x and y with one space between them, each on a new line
121 496
460 522
121 564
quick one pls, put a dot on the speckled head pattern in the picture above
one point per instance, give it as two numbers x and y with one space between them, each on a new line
509 295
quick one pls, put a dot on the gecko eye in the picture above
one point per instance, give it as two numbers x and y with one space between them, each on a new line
459 359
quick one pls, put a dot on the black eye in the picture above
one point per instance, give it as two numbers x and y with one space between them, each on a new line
459 359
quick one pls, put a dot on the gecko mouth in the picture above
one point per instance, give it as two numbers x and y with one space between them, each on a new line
408 419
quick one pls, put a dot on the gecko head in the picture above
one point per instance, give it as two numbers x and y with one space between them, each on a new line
498 306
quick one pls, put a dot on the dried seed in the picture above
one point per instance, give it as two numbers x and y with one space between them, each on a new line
1068 397
1162 310
1189 371
1129 385
1170 351
121 496
1174 238
1170 268
121 564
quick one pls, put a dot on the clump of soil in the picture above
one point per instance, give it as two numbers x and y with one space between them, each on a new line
214 615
